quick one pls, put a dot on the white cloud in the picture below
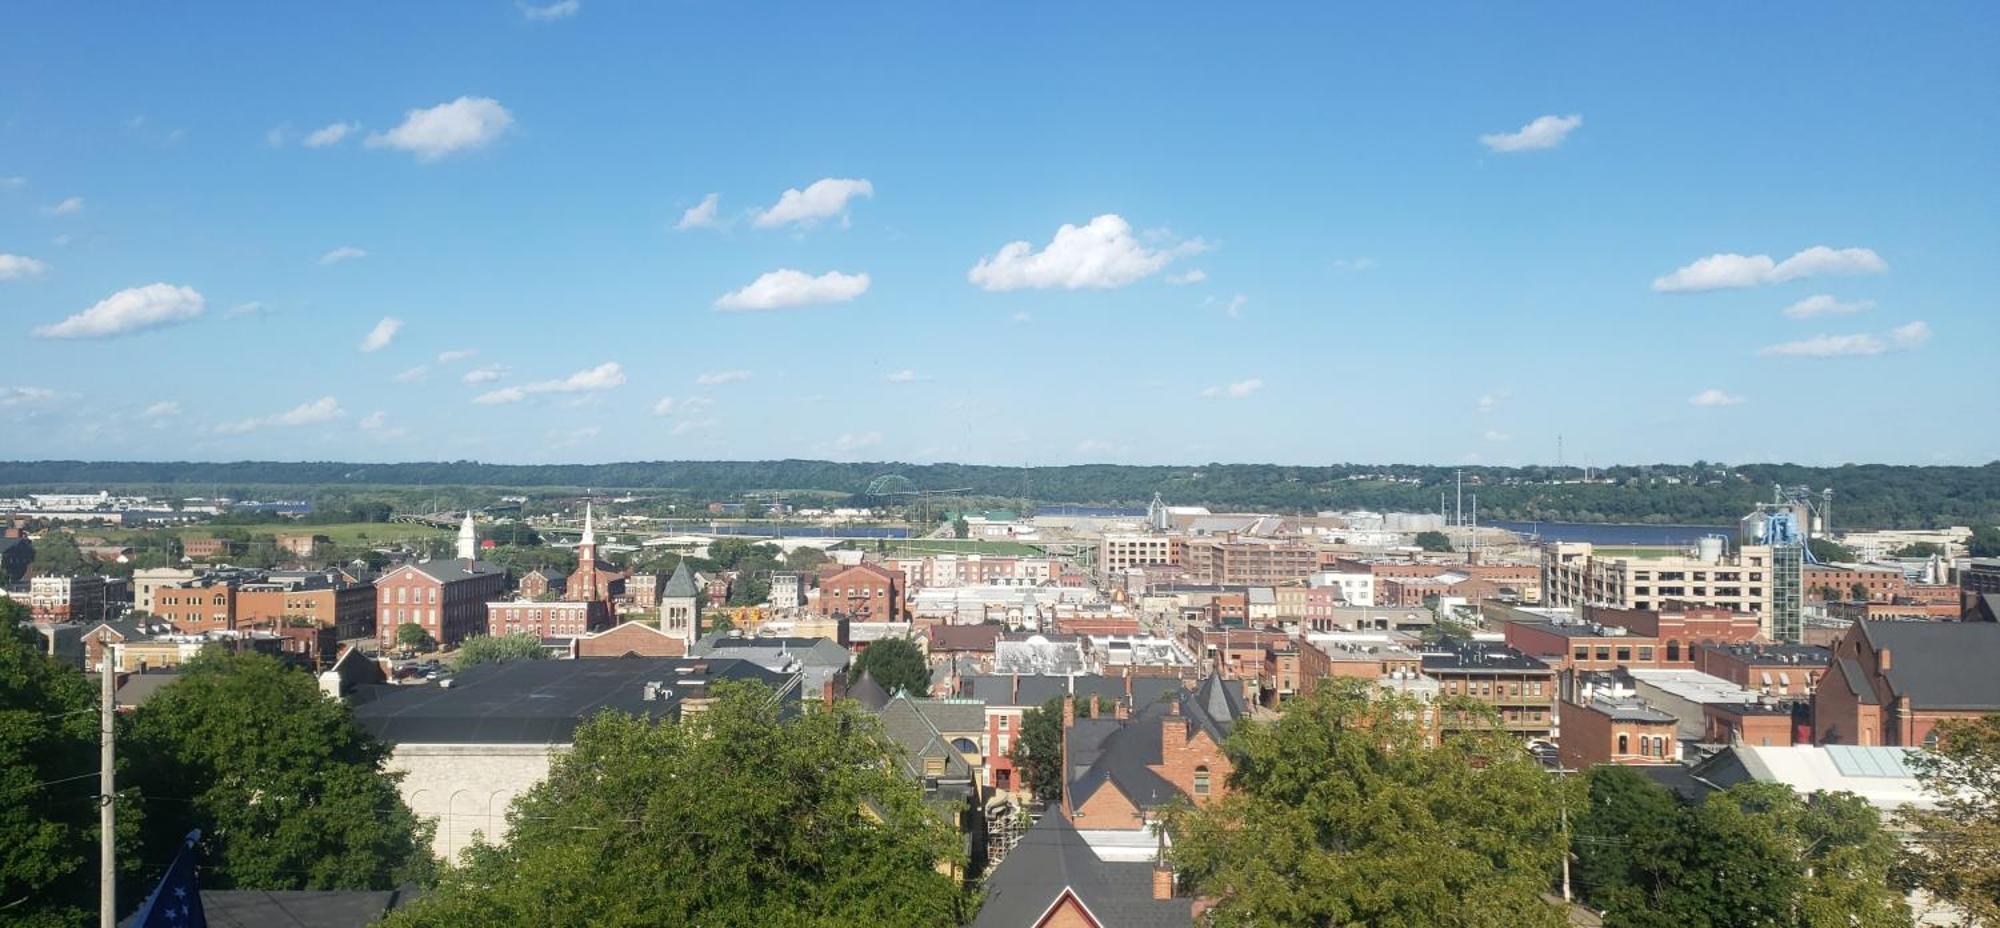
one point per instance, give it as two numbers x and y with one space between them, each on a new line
665 406
1236 305
329 134
1354 264
573 437
1022 318
63 240
1102 254
162 409
1543 132
130 310
414 374
602 377
15 267
688 405
456 355
561 9
855 441
66 207
692 425
21 396
1489 402
1192 276
905 376
717 378
1714 397
1235 391
382 334
324 409
374 420
1723 271
485 374
822 199
275 136
447 128
1902 338
1822 304
343 253
786 287
1496 435
702 215
246 308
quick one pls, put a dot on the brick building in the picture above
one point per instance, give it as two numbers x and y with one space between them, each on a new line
542 583
1236 560
1878 584
67 599
1607 730
1122 771
557 619
1677 627
641 639
445 598
208 549
1745 723
345 607
1577 646
864 593
301 544
1891 683
1783 671
1521 689
204 605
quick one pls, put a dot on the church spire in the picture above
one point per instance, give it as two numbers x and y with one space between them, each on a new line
468 539
589 535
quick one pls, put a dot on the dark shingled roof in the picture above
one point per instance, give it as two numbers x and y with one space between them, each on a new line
867 692
1857 681
681 584
919 726
1050 858
454 570
1123 752
301 908
964 637
542 702
1941 665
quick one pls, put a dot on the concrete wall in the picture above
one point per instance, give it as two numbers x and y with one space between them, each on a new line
467 788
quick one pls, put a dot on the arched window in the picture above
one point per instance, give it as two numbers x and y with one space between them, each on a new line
1931 740
964 746
1201 781
1624 744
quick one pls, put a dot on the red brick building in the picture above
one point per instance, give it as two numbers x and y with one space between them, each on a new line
1784 671
1122 771
1677 627
641 639
445 598
864 593
1616 731
560 619
202 606
1745 723
1878 584
1583 647
346 608
1891 683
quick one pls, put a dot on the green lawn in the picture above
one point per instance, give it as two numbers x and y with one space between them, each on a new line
345 534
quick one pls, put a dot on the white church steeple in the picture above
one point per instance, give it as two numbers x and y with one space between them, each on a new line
589 534
468 539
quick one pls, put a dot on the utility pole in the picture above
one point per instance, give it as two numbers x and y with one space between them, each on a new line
107 788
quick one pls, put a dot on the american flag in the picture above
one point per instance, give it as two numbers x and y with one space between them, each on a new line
176 902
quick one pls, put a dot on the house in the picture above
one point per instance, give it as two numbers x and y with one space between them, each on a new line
864 593
1057 879
822 662
542 583
1120 772
942 753
1892 682
635 639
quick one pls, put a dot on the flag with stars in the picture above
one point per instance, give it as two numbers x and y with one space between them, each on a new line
176 902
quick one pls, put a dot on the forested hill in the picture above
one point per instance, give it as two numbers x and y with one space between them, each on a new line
1869 495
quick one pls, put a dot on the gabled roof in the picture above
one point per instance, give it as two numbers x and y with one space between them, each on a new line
1053 859
1941 665
964 637
681 585
1857 681
908 722
1216 706
452 570
867 692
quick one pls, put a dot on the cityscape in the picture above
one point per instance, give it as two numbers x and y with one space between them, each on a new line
563 463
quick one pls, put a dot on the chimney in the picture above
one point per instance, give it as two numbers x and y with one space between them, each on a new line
1163 880
1069 712
1882 660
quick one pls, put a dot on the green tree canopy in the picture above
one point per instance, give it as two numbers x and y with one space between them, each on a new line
490 649
1957 844
896 664
1826 550
1918 549
1985 541
288 792
1037 754
1342 813
740 816
56 555
411 635
1433 541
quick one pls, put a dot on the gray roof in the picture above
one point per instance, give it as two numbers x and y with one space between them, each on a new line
303 908
919 726
542 702
867 692
1216 705
1050 858
1857 681
454 570
1941 665
1124 752
681 585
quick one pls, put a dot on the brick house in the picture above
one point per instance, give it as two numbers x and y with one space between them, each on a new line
1605 730
1122 771
1521 689
446 598
1891 683
1784 671
864 593
542 583
640 639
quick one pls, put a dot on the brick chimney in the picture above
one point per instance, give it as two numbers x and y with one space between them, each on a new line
1069 712
1882 660
1163 880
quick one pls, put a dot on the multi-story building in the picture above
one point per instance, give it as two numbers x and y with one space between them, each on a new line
1782 671
445 598
1891 683
67 599
1608 730
560 619
1583 646
1678 627
864 593
1119 551
1980 575
1354 587
1521 689
301 544
208 549
148 580
1574 574
1829 582
1243 560
16 553
347 608
788 590
549 583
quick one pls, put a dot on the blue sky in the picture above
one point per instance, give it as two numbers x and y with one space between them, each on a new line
1396 261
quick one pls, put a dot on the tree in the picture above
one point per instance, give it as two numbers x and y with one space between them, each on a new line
1433 541
744 814
1037 754
1826 550
960 528
896 664
1918 549
56 555
489 649
1858 592
1985 541
1956 856
289 793
1629 840
412 636
1342 813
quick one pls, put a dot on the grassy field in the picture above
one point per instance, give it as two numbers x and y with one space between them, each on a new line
922 546
345 534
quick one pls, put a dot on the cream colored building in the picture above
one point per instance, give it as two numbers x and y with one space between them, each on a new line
1118 551
1574 574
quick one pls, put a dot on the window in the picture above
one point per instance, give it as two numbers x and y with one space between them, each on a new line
1673 650
1003 722
1931 740
1624 745
1201 781
1645 747
933 766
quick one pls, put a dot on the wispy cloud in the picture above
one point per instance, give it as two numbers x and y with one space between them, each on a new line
717 378
324 409
1101 254
17 267
1725 271
330 134
464 124
343 253
1235 391
822 199
1821 304
856 441
549 12
703 215
1495 435
69 206
1354 265
1542 132
905 376
23 396
484 374
602 377
1901 338
456 355
382 334
131 310
162 410
785 288
1714 397
413 374
1191 276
